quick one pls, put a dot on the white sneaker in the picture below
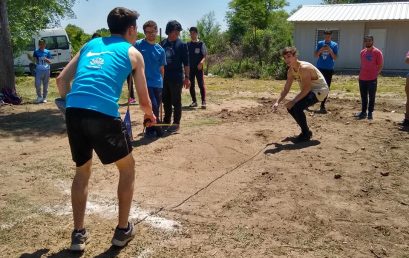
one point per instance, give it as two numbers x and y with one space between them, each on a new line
39 100
44 101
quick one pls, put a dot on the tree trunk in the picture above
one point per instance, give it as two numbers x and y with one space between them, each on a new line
7 79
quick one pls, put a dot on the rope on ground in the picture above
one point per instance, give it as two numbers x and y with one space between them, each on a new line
216 179
203 188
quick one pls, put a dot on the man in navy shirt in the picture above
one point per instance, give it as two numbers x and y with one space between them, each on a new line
326 51
197 57
176 74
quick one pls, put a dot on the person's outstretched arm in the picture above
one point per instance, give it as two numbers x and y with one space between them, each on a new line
285 90
66 76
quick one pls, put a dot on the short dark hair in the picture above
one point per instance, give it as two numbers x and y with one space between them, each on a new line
172 26
41 41
327 32
150 23
193 29
120 19
368 37
95 35
287 50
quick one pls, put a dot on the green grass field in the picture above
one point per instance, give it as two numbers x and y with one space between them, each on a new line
223 88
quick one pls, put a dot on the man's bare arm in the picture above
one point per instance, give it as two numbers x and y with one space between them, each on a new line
138 67
66 76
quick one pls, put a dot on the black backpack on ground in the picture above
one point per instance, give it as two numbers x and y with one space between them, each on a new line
10 96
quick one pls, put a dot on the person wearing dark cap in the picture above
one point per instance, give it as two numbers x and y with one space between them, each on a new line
176 74
326 51
197 57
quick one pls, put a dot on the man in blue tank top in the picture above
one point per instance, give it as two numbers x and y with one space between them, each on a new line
155 60
93 121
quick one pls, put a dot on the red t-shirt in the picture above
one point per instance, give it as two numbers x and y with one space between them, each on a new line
370 61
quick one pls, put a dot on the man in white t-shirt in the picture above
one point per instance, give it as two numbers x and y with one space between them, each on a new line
313 87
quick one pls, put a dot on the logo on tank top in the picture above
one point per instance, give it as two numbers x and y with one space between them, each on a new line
90 53
96 63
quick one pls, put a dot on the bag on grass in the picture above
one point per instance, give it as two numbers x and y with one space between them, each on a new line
9 96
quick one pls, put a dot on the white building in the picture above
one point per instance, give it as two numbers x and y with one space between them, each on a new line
387 22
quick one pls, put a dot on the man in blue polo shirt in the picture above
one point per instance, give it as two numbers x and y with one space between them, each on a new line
326 51
155 60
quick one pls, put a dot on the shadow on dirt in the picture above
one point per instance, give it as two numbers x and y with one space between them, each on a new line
113 251
290 146
36 254
41 123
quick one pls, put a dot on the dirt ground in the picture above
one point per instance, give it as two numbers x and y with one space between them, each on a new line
229 184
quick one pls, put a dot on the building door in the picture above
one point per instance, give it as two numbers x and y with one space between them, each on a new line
379 36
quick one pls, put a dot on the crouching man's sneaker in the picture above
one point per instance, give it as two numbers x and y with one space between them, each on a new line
173 128
303 137
122 236
78 240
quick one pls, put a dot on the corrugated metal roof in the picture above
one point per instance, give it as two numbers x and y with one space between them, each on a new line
352 12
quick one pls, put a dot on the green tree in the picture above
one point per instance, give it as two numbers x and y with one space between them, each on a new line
257 30
27 17
247 15
209 31
77 37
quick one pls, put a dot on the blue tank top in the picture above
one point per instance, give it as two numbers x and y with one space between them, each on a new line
102 68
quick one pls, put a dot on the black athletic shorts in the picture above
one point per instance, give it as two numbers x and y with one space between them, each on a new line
90 130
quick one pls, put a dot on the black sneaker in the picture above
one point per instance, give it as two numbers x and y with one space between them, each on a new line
203 104
303 137
122 237
194 104
360 115
370 116
405 122
173 128
78 240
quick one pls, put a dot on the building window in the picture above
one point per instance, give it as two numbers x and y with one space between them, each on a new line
320 36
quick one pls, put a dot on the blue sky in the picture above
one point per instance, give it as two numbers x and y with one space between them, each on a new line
91 14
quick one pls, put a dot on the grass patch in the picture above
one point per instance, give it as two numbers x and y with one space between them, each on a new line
203 122
223 88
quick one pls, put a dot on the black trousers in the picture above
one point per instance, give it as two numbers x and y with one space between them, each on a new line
129 80
328 78
368 90
172 97
297 111
194 72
